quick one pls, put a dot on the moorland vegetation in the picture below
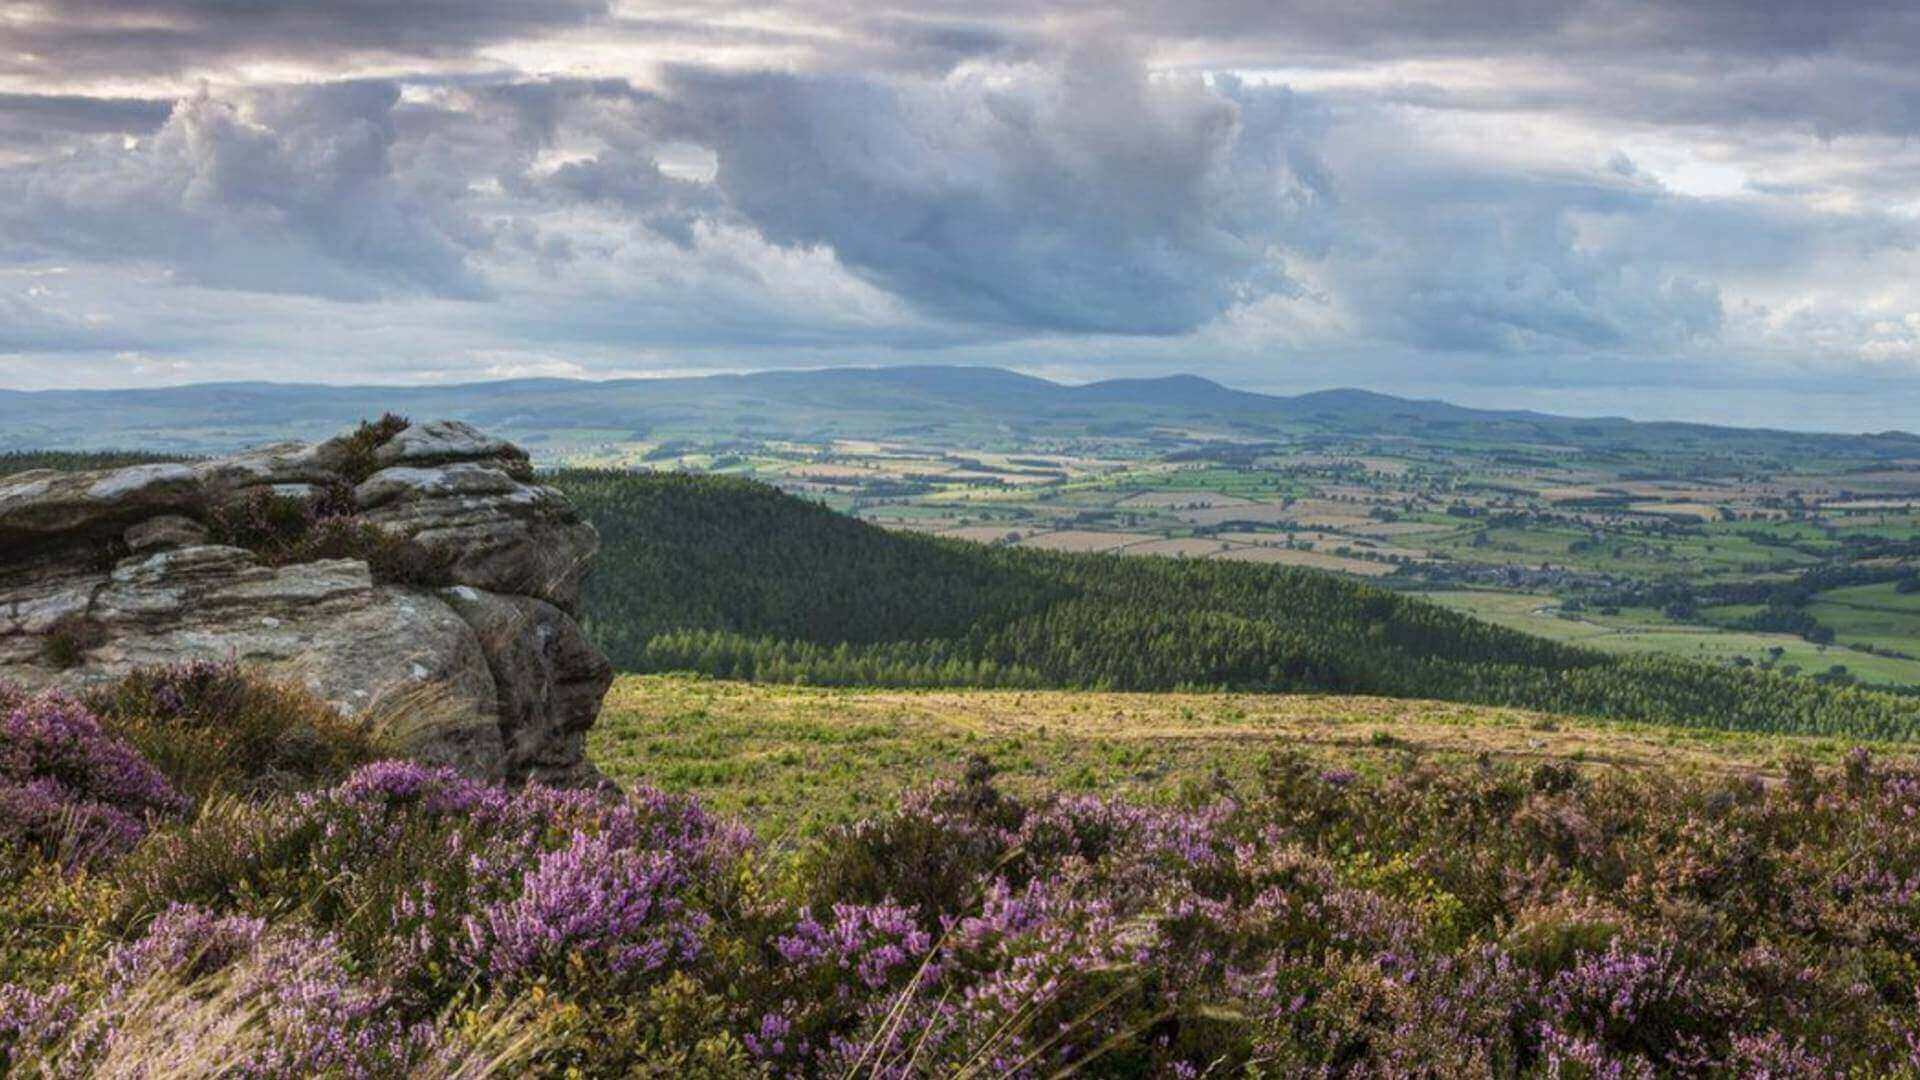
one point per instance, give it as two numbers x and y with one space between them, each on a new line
283 902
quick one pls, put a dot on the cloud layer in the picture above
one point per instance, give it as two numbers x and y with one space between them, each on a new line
1279 194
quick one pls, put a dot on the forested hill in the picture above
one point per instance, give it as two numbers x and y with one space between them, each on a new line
682 551
736 579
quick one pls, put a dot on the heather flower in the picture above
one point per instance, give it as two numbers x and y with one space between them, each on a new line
876 943
32 1022
1032 948
409 784
1630 1009
769 1039
167 692
187 942
1478 921
535 814
258 1002
68 788
1095 828
1773 1056
611 908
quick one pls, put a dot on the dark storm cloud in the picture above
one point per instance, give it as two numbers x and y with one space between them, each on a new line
43 123
1829 98
75 114
1836 66
1383 28
1074 194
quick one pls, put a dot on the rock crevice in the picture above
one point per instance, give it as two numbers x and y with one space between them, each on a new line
476 661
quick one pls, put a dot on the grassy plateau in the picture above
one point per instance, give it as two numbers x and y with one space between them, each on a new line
793 760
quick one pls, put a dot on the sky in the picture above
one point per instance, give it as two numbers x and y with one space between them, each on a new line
1706 209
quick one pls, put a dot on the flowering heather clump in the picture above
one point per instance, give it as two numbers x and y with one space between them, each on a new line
1441 920
1438 922
588 903
174 692
425 873
187 942
68 789
1632 1011
430 789
870 943
200 994
32 1023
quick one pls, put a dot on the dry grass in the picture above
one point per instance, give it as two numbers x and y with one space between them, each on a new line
1314 559
984 534
1084 540
222 1025
1701 510
1389 529
1263 513
1184 547
793 759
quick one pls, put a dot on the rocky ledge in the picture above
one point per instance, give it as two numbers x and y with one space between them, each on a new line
413 575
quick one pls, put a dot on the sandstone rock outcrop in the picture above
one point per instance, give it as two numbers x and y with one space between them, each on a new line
440 605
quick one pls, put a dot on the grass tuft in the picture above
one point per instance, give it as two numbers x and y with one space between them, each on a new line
67 643
213 727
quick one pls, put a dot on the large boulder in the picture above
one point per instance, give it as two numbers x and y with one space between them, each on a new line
464 651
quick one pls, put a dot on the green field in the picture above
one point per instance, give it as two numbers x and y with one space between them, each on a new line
1875 614
1642 631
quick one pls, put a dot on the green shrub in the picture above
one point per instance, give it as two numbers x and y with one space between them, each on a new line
283 531
68 641
359 448
392 559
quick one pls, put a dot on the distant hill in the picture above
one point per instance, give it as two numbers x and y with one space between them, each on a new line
954 406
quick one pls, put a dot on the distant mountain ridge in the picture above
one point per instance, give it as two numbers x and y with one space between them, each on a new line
948 404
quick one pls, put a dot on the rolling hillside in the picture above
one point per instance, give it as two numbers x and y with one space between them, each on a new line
735 579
